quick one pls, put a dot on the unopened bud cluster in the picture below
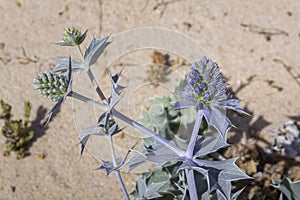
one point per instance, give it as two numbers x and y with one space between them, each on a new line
52 86
73 36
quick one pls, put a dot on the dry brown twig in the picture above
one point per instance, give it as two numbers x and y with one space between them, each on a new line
161 6
24 60
267 32
289 70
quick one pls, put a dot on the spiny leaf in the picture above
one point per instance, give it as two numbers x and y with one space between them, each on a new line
161 156
94 50
234 104
291 190
229 171
136 159
220 174
144 191
84 136
62 65
208 144
109 167
104 127
116 91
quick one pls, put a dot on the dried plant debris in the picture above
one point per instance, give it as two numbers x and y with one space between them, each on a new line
187 25
24 59
16 132
250 161
5 57
161 67
289 70
160 6
266 164
286 140
290 190
267 32
271 84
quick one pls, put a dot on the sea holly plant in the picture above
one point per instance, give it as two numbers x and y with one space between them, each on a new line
184 132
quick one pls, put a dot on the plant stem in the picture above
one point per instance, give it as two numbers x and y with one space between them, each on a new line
88 100
147 131
104 108
117 172
131 122
189 154
94 82
112 150
194 136
191 184
80 52
91 76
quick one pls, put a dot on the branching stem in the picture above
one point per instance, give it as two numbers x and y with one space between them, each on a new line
133 123
88 100
150 133
91 76
117 172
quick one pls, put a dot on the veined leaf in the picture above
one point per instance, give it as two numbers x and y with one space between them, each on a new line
291 190
144 191
63 63
94 50
135 160
208 144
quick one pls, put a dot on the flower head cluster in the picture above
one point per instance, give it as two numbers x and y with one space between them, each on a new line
52 86
72 37
205 84
207 91
55 87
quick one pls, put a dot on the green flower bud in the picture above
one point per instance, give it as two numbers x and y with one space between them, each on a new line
52 86
72 37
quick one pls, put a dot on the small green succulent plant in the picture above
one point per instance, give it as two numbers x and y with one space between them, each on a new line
16 132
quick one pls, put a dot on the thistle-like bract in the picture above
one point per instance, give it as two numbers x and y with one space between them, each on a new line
52 86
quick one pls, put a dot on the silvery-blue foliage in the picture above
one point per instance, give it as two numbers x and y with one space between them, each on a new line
63 63
182 142
206 92
106 125
290 190
94 50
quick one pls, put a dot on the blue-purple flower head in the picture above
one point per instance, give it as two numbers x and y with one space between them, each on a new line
205 83
206 91
206 88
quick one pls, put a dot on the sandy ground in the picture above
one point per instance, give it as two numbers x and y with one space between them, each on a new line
265 68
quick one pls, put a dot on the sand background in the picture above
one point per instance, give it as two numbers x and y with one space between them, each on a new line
265 69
